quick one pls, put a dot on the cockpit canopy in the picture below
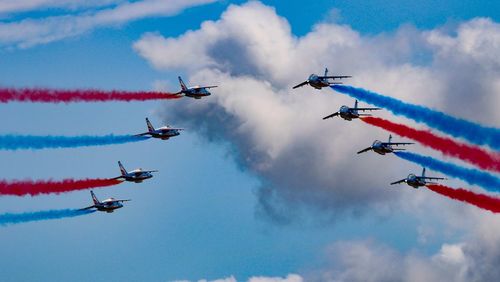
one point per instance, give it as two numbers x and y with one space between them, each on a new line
377 143
412 176
313 77
344 109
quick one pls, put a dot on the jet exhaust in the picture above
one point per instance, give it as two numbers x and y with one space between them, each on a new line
43 95
482 201
456 127
19 142
449 147
34 188
470 175
16 218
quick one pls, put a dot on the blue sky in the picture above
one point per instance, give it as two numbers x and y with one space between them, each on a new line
198 217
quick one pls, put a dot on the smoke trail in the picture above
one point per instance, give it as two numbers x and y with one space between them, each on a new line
33 188
479 200
469 175
42 95
18 142
456 127
447 146
15 218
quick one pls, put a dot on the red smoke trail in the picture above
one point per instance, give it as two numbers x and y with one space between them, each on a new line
474 155
66 96
33 188
479 200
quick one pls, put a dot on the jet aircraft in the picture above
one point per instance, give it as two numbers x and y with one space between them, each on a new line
383 148
417 181
164 132
196 92
108 205
318 82
351 113
136 175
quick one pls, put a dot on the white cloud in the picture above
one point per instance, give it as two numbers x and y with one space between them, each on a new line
278 132
30 32
309 164
15 6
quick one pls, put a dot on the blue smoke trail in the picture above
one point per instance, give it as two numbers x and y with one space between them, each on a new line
456 127
469 175
18 142
15 218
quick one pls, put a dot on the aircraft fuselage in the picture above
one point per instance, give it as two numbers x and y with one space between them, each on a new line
108 206
348 113
415 181
381 148
197 93
317 82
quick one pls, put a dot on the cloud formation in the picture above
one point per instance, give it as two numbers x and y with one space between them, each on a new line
277 132
33 31
304 163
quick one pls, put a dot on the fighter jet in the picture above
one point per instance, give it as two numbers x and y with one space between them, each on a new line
196 92
351 113
319 82
108 205
164 132
136 175
417 181
383 148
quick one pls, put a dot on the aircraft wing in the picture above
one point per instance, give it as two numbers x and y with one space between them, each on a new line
142 134
150 171
432 178
399 181
301 84
365 150
397 143
336 76
203 87
332 115
366 109
128 200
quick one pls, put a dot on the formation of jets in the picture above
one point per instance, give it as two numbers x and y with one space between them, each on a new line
198 92
164 133
349 114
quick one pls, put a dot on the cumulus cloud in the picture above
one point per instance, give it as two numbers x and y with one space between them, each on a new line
15 6
289 278
29 32
305 163
278 133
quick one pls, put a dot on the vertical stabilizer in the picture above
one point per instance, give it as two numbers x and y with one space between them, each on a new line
183 86
150 126
94 198
122 169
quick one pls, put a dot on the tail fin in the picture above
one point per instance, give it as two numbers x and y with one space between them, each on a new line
150 126
122 169
94 198
326 71
390 138
183 86
423 171
356 104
